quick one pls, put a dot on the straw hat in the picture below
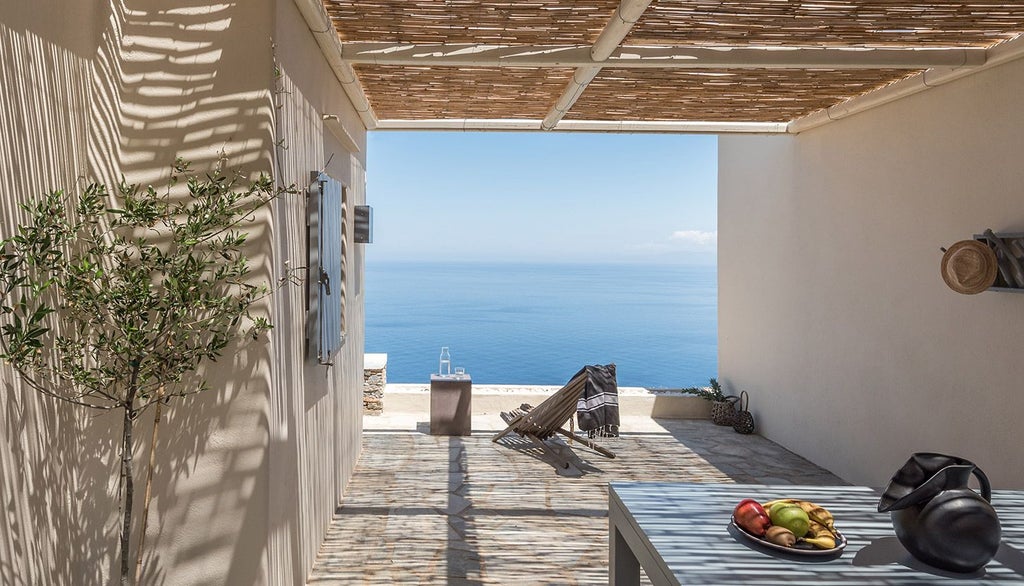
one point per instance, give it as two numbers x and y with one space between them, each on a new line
969 267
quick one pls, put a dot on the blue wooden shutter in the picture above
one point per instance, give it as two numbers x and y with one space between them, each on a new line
331 248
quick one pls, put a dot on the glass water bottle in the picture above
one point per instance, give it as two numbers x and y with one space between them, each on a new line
446 362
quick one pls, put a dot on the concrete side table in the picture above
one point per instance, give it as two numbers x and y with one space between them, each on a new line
450 404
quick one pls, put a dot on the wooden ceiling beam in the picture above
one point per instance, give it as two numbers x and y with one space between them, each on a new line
624 19
444 55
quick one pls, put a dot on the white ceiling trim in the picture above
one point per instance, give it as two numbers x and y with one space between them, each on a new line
673 126
326 36
996 55
444 55
459 124
469 124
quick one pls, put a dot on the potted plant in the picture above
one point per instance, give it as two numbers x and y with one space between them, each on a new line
723 407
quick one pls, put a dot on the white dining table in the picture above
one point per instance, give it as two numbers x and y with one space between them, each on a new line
680 533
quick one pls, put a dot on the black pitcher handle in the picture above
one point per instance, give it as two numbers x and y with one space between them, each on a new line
986 487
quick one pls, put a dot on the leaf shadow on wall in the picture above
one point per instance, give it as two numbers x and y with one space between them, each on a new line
100 92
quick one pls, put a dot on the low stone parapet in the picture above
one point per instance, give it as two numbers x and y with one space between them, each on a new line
493 399
375 379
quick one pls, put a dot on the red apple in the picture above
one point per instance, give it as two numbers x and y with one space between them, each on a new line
751 516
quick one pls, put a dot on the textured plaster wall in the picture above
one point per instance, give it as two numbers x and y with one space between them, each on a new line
50 479
832 312
99 90
316 411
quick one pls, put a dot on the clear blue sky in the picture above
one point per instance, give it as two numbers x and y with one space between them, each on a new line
542 197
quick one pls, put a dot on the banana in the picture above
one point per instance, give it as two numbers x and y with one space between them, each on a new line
818 514
822 542
820 536
817 529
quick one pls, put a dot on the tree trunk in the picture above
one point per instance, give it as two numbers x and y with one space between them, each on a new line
127 488
149 485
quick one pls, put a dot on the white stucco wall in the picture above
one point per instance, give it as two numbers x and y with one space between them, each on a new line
48 530
250 472
832 312
316 414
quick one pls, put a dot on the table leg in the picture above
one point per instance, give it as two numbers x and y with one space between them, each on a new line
623 567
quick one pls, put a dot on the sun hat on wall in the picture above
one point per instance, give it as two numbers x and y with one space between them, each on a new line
969 267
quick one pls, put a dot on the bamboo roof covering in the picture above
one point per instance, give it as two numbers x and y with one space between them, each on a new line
438 60
529 22
449 92
830 23
758 95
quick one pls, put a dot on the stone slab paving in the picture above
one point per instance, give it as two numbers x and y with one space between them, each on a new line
425 509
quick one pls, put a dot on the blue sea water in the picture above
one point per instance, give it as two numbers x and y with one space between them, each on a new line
537 324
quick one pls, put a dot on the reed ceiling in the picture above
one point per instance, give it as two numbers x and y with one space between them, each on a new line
431 89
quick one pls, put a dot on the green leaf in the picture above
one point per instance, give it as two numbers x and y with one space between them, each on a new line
172 293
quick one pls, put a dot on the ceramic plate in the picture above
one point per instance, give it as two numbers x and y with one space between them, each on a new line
800 549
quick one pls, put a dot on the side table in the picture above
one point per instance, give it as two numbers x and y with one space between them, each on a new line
450 404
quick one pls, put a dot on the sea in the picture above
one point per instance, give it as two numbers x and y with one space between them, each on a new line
537 324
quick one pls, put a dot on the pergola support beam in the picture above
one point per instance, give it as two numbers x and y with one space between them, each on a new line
626 15
581 78
659 57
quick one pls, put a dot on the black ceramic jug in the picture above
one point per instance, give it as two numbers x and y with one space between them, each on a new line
937 517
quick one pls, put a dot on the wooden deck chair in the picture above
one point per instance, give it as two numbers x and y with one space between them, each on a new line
545 420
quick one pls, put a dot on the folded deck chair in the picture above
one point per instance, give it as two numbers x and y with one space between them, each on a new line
548 418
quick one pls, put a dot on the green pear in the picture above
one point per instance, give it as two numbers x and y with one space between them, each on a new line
791 517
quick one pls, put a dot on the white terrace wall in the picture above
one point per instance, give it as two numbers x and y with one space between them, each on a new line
250 472
832 312
316 415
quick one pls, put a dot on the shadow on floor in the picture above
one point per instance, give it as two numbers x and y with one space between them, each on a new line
747 459
563 460
444 511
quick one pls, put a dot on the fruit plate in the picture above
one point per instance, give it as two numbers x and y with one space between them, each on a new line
801 549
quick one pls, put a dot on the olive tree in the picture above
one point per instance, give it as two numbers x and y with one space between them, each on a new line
114 303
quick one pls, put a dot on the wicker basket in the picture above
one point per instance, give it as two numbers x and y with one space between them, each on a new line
724 412
743 421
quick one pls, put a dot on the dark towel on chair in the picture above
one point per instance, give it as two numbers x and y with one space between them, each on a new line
598 407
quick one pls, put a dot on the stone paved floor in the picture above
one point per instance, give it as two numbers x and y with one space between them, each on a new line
425 509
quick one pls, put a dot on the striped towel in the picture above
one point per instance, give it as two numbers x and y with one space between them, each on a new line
597 410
